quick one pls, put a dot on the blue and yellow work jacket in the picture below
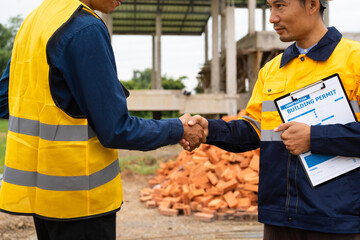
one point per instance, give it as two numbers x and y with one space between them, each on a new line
286 197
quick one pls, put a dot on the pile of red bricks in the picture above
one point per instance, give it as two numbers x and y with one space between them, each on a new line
210 182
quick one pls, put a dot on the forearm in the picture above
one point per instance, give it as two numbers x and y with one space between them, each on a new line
234 136
4 87
337 139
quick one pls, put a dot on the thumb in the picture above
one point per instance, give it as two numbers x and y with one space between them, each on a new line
195 120
282 127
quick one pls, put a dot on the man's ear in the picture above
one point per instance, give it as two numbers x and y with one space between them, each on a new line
313 6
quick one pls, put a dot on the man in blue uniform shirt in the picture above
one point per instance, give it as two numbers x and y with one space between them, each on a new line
288 206
85 92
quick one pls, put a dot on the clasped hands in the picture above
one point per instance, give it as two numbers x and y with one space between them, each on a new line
295 135
195 131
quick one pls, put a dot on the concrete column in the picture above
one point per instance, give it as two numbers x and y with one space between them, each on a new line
327 16
263 17
206 44
107 19
223 26
153 73
251 7
158 54
215 66
231 78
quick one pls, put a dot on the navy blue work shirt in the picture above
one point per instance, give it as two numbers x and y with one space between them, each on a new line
84 84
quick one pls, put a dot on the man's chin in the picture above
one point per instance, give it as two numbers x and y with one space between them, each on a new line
285 39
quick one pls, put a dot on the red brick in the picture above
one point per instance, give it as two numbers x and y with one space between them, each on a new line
215 204
164 204
200 181
230 199
168 212
206 200
229 186
208 211
243 203
254 163
213 157
251 187
152 183
212 177
182 179
193 205
187 210
215 191
219 170
151 204
204 217
198 192
145 198
146 192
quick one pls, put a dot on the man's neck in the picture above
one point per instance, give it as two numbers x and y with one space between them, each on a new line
314 37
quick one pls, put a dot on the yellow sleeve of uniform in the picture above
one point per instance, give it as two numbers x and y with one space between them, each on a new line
253 108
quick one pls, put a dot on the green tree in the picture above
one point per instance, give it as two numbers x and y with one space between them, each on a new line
142 80
7 36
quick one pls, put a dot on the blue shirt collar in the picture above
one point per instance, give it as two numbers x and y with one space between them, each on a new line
321 52
305 51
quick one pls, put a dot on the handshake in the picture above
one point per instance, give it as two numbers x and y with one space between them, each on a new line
195 131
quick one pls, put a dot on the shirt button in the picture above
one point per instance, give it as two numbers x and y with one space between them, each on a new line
269 90
290 220
302 59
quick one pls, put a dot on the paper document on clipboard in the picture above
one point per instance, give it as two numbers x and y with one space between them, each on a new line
321 103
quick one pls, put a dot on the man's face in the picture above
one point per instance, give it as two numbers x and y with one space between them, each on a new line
290 19
105 6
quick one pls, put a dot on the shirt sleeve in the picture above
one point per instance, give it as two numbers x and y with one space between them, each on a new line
234 136
88 66
337 139
4 89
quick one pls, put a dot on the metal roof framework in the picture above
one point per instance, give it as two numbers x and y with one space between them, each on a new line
179 17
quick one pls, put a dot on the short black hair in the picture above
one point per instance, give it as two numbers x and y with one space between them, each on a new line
321 10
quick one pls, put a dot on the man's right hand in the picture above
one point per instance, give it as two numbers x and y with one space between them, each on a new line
195 131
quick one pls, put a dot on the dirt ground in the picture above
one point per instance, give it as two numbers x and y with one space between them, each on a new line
135 221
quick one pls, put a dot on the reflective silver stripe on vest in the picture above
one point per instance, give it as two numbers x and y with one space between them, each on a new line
50 132
268 106
254 122
355 106
56 183
270 135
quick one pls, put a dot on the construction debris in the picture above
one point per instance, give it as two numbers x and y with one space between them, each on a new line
209 182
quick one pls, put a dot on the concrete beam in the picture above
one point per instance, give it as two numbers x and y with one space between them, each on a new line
264 17
206 44
215 63
158 51
153 72
231 79
265 41
251 8
173 100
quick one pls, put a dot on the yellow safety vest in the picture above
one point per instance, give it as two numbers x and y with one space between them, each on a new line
55 166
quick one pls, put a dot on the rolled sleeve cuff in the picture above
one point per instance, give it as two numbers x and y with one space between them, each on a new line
214 130
176 130
318 139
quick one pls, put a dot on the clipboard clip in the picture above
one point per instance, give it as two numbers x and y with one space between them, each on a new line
322 86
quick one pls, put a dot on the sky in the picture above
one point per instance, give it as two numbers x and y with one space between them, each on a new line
184 55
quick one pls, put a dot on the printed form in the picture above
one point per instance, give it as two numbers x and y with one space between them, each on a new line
321 103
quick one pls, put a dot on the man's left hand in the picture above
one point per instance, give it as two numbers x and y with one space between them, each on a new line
295 136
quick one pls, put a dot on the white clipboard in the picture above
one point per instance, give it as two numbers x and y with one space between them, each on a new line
323 102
